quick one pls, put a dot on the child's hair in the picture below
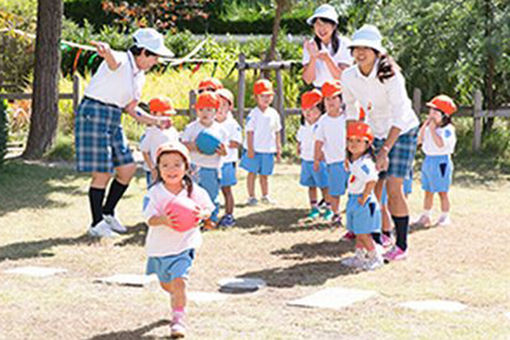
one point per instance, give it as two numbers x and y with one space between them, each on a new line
319 105
445 119
334 37
187 181
369 151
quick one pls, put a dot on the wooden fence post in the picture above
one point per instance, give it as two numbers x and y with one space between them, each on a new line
241 88
477 114
192 102
76 92
280 103
417 101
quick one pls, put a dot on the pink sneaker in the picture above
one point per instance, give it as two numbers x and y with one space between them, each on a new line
348 236
387 241
395 254
178 328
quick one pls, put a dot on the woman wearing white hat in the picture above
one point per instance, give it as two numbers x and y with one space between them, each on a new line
101 146
326 55
376 84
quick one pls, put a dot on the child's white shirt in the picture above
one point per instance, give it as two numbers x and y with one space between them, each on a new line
191 133
362 171
264 126
163 240
306 139
153 138
235 134
331 131
447 134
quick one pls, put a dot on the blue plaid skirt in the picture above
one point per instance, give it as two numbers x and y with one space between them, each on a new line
401 154
100 143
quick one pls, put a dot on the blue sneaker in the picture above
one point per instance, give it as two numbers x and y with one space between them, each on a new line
315 213
227 221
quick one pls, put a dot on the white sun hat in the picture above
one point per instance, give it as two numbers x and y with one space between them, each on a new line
324 11
153 41
368 36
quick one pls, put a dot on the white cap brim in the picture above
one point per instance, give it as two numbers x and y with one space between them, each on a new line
367 43
162 51
310 20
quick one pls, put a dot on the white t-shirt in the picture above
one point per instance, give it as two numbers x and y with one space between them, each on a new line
331 131
264 125
163 240
342 56
362 171
117 87
153 138
235 134
447 134
390 105
191 133
306 139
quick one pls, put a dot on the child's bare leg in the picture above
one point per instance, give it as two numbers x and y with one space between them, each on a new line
250 183
335 204
324 193
445 202
312 196
177 290
229 200
367 241
428 200
264 185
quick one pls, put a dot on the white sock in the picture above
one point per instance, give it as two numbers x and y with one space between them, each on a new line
427 213
444 214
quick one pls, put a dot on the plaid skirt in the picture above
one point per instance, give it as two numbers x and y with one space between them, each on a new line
401 155
100 143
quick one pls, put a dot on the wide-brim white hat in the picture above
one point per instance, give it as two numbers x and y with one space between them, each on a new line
368 36
153 41
324 11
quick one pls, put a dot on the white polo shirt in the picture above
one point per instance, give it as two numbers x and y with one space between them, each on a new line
191 133
153 138
390 105
235 134
342 56
447 134
163 240
117 87
264 125
362 171
306 139
331 131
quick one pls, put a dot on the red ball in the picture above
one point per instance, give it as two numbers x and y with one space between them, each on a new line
184 212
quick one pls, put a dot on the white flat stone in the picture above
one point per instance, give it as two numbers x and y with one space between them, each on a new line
333 298
204 297
241 285
35 271
434 305
507 314
134 280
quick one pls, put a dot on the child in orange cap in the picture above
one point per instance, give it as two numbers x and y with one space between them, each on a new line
437 136
209 84
262 143
208 166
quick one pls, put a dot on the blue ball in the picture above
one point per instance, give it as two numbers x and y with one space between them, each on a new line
207 143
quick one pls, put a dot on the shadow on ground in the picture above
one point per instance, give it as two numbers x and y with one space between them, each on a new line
137 333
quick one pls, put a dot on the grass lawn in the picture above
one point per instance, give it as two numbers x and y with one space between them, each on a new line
44 214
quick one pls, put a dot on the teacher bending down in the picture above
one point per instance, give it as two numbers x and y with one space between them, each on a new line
376 84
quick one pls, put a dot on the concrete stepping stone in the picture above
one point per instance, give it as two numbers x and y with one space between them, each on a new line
131 280
434 305
36 271
507 314
333 298
238 285
204 297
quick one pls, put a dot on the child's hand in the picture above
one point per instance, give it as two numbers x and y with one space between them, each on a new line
202 213
362 200
251 153
432 123
221 150
233 144
169 220
278 156
316 165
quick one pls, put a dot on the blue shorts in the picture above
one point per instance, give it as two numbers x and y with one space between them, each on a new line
363 219
401 155
100 143
313 179
261 164
171 267
209 179
228 175
337 178
436 173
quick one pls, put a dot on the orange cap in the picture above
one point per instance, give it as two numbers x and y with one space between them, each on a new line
443 103
210 84
361 130
161 105
263 86
174 147
331 88
310 98
207 99
226 94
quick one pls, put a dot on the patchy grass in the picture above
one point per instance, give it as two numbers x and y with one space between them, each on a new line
44 215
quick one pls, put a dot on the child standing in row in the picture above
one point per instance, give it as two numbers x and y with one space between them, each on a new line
262 141
170 252
437 136
330 139
234 140
311 106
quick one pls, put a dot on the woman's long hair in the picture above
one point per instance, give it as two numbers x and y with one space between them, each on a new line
387 67
187 181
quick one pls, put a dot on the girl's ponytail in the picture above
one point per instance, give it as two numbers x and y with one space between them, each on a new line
386 67
188 183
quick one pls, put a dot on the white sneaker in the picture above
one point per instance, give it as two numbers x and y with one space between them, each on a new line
444 221
102 229
267 200
423 221
374 263
177 329
114 223
356 261
252 201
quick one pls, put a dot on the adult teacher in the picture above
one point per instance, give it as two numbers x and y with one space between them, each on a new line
377 84
101 145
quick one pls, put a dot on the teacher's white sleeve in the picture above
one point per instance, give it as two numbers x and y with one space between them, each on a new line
400 104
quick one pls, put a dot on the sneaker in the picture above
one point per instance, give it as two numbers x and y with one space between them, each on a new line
227 221
328 215
315 213
444 221
356 261
423 221
102 229
395 254
252 201
387 241
374 263
114 223
267 200
336 221
209 224
348 236
178 328
322 204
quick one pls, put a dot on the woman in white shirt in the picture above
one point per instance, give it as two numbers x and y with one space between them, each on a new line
375 82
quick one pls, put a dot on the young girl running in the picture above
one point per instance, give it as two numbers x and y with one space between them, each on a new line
363 212
171 252
437 136
311 105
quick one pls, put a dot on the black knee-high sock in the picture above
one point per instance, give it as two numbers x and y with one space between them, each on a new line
401 226
116 191
96 197
377 238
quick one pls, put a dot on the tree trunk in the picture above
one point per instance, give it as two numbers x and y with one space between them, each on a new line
271 54
44 119
489 75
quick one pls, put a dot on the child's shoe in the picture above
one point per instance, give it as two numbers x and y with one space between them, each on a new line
395 254
444 221
252 201
387 241
267 200
374 260
227 221
336 221
114 223
315 213
328 215
102 229
209 224
322 204
356 261
348 236
423 221
178 328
